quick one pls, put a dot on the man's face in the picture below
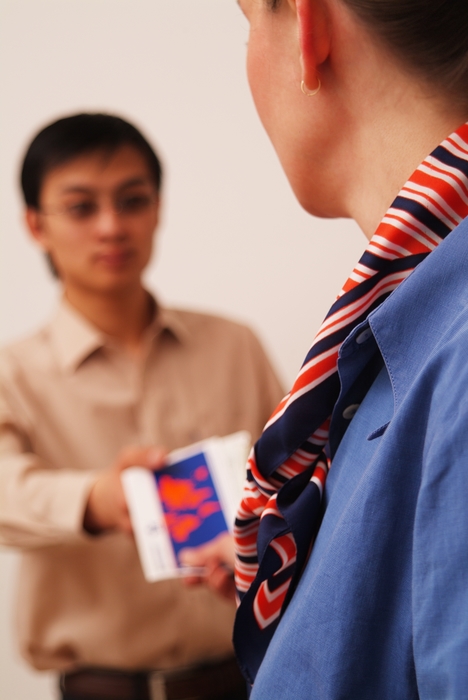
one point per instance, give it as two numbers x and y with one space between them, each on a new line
96 220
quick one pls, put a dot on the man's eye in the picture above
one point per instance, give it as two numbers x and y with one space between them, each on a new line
81 210
134 203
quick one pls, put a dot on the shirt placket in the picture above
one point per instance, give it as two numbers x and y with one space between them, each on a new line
358 365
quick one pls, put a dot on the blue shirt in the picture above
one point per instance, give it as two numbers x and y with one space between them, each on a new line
381 611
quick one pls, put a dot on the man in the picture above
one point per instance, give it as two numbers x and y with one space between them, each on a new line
114 380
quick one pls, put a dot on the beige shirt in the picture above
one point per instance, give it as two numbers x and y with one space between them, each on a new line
70 399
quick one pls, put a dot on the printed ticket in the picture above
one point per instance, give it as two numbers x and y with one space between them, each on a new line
189 502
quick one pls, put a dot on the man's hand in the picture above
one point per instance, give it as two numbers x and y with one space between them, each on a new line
217 558
106 508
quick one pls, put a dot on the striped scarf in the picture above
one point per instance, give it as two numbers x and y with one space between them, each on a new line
279 515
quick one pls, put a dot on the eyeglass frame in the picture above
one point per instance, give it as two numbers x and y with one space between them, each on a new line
118 208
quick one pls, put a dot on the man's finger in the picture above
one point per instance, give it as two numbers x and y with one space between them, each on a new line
155 458
149 457
125 524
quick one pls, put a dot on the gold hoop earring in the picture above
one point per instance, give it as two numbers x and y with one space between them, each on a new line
314 92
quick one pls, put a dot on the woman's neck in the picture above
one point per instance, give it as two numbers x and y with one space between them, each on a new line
396 120
383 121
392 154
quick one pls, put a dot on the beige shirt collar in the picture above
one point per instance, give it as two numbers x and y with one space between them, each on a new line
75 338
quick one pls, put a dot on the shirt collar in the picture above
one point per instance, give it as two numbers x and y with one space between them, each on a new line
75 338
169 320
421 311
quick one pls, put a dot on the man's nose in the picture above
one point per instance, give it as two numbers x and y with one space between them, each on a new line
109 222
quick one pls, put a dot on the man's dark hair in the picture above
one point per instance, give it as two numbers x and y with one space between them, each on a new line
74 136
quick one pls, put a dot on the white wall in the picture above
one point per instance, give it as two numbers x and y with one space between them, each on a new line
233 239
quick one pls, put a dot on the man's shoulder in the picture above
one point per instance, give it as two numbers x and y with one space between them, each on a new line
198 323
27 350
217 337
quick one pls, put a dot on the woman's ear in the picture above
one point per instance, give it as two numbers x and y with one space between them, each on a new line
314 27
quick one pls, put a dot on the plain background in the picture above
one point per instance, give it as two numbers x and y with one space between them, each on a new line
233 240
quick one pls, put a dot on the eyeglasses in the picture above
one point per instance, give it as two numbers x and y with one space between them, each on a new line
86 209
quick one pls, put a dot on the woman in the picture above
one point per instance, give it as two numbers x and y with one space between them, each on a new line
360 97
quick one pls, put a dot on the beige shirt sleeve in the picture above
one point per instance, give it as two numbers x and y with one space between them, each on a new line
39 505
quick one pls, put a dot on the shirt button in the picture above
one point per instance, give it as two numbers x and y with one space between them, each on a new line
362 337
350 411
